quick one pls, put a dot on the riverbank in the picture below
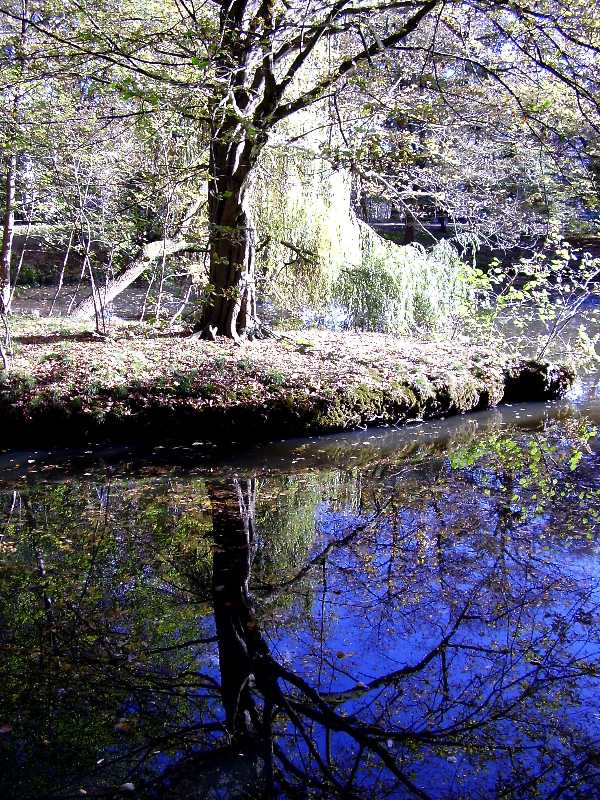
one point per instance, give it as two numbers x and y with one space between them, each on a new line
68 386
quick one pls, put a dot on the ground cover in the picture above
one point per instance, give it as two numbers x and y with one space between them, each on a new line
68 385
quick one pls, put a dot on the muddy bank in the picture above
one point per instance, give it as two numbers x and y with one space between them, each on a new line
67 386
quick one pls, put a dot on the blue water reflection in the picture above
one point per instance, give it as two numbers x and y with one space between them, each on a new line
392 614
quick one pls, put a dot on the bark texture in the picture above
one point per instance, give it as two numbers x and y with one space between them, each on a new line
230 308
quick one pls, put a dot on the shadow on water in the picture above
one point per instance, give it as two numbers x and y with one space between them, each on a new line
387 614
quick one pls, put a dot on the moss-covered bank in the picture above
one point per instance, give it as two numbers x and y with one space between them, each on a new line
70 387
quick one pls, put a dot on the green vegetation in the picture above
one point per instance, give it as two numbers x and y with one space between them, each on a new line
233 169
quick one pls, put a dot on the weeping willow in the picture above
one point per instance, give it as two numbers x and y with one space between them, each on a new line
315 256
397 289
305 233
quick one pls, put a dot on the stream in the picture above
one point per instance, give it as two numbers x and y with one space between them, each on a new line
384 614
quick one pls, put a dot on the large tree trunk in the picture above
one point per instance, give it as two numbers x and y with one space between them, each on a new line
8 232
230 307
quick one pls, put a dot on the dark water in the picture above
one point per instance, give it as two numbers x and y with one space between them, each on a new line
387 614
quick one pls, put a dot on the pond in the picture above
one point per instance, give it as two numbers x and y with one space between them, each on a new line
384 614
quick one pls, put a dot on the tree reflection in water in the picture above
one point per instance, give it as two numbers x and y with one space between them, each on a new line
425 629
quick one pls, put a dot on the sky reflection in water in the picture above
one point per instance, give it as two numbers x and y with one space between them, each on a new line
423 622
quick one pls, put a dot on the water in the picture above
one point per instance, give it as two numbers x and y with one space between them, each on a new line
384 614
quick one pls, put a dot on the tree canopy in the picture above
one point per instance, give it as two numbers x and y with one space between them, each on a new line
123 116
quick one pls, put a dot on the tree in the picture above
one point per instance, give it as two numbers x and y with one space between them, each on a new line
267 67
241 68
458 123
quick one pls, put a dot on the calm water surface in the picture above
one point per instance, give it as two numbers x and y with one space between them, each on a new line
385 614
